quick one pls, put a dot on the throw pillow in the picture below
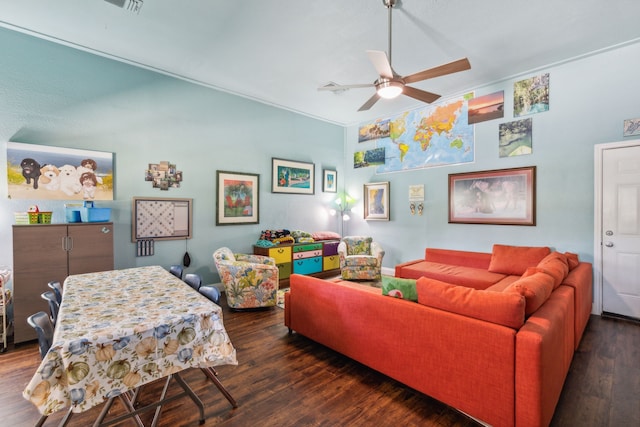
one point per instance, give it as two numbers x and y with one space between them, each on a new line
535 289
514 260
555 264
505 309
399 288
325 235
572 259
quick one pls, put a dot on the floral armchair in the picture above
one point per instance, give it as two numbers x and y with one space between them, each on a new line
360 258
250 281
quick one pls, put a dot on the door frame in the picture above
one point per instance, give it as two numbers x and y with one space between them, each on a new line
597 218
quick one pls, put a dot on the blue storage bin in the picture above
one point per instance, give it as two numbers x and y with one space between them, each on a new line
72 213
95 214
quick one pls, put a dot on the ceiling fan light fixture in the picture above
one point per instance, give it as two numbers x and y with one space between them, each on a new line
388 89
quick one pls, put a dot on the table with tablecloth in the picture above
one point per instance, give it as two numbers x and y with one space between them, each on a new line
120 329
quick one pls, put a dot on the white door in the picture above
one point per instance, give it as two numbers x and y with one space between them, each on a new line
621 231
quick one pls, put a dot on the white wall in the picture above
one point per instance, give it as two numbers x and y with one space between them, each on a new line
589 99
54 95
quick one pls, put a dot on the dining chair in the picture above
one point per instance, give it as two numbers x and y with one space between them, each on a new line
211 292
176 270
56 287
194 280
41 322
54 307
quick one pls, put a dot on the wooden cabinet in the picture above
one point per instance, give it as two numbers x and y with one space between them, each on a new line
47 252
318 259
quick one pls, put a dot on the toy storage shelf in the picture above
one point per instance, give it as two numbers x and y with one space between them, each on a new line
318 259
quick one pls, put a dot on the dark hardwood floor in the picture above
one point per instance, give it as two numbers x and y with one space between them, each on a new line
288 380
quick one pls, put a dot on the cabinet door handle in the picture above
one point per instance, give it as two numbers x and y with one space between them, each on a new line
105 230
64 243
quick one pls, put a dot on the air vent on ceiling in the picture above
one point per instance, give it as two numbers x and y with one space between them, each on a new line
130 5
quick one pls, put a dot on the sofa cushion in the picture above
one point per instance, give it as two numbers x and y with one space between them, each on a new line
476 278
502 308
555 264
507 259
399 288
535 288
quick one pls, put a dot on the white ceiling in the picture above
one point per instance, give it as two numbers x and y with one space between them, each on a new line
279 52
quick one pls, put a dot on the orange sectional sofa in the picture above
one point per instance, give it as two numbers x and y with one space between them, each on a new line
492 334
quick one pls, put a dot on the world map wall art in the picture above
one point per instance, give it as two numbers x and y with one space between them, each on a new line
430 136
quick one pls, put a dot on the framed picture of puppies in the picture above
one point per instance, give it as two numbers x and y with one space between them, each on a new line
56 173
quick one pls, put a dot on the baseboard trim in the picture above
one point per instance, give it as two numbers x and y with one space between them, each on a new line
388 271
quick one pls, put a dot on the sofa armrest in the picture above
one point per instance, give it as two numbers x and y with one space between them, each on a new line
255 259
377 251
544 350
342 253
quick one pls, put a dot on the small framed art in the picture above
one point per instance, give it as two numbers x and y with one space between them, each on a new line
376 201
237 198
329 181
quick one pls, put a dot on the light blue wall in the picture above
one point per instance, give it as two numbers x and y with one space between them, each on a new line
55 95
589 99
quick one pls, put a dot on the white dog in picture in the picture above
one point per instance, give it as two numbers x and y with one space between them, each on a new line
49 177
69 182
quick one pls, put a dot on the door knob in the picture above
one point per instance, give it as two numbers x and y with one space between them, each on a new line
609 244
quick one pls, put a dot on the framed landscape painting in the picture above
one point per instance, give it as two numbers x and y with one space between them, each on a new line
237 198
289 176
504 197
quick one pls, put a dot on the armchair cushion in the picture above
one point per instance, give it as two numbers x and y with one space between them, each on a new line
361 260
358 245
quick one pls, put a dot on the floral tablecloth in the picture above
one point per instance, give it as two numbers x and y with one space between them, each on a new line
118 330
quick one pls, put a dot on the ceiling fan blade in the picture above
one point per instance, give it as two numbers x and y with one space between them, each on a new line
369 102
380 61
419 94
442 70
335 87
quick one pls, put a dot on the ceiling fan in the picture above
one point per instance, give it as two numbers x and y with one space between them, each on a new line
390 84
